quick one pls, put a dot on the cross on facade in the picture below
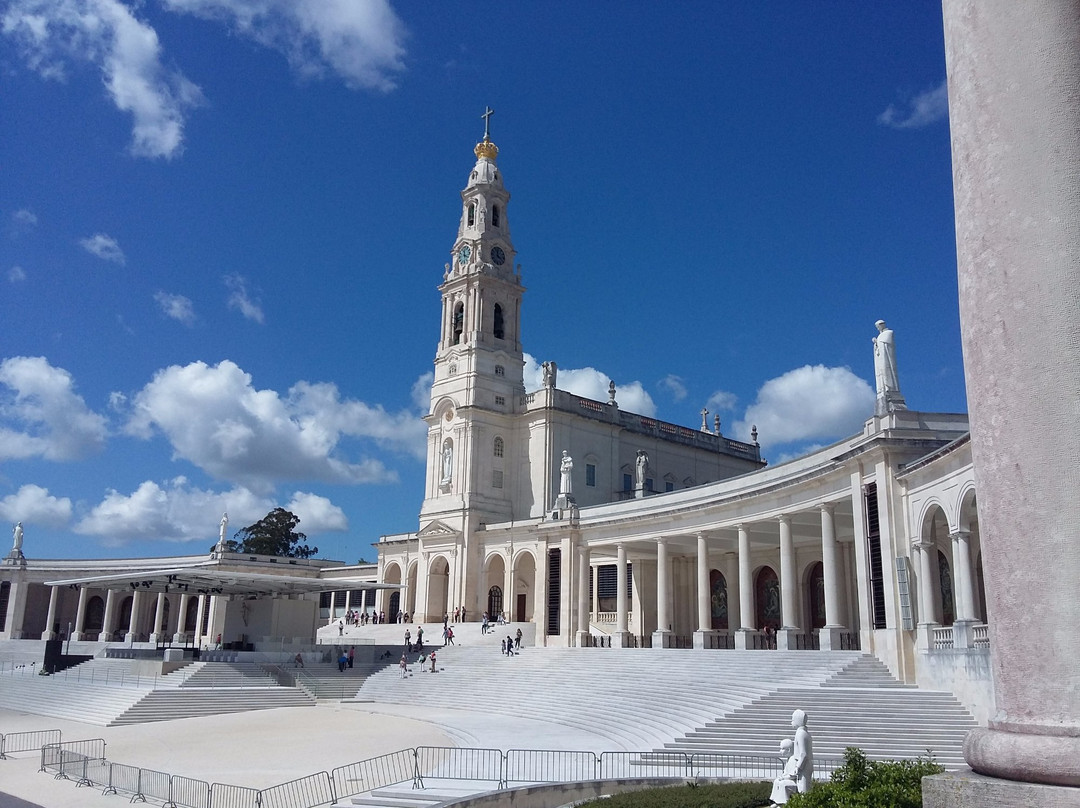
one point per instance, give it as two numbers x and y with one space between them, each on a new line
488 112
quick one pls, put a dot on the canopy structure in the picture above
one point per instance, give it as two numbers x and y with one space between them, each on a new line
216 580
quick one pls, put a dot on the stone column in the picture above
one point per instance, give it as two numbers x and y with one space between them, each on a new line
181 618
829 636
135 626
704 636
621 637
363 602
348 598
962 565
786 634
200 626
924 633
744 637
584 572
80 615
540 594
662 637
1014 109
108 625
50 620
159 617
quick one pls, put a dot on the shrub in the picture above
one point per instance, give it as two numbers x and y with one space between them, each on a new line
693 795
862 783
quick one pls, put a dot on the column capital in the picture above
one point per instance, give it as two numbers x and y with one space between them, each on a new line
827 507
661 541
956 535
783 519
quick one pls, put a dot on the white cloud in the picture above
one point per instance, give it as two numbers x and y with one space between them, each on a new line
42 416
34 505
317 514
24 219
16 274
675 386
808 403
177 511
216 419
421 391
721 401
104 247
359 41
177 307
239 299
106 34
922 110
174 511
592 383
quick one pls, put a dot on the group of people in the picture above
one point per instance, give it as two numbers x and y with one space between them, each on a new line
355 617
485 623
403 664
345 658
419 644
512 645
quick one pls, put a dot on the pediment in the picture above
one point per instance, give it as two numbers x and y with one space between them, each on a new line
437 529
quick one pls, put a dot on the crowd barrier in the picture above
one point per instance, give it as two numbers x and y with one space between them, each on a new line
27 741
85 762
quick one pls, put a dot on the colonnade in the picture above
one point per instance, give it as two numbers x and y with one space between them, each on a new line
159 628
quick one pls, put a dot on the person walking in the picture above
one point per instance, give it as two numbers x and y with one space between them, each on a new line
432 657
408 640
404 665
352 653
450 635
517 640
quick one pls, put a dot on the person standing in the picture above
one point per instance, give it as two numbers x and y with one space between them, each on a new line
352 653
517 640
432 657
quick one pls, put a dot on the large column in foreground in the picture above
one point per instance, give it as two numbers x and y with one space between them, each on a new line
1014 107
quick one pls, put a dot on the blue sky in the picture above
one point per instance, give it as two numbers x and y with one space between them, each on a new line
223 222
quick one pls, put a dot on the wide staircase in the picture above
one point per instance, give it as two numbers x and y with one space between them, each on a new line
736 702
861 705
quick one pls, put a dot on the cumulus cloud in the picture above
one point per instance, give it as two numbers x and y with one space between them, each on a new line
104 247
34 505
41 415
721 401
921 110
359 41
808 403
215 418
24 219
592 383
175 510
675 386
50 34
16 274
421 391
240 299
317 514
177 307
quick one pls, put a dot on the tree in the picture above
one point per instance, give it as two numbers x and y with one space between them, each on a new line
275 535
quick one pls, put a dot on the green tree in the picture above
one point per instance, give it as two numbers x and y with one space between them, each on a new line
275 534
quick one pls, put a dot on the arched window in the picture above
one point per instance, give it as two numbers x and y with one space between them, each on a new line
494 602
459 322
499 329
500 370
767 598
718 609
498 447
471 218
95 615
815 585
494 215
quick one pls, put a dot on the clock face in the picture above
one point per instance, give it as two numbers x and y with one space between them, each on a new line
497 255
463 254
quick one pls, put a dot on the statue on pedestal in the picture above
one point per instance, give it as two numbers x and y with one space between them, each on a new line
641 467
886 378
566 485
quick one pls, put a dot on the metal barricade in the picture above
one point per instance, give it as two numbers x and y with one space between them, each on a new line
459 764
153 785
735 767
367 775
305 792
621 765
222 795
99 774
185 792
27 741
124 778
549 766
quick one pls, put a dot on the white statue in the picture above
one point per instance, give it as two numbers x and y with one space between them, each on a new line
803 756
17 536
447 462
704 420
642 467
785 785
885 360
551 373
223 529
565 467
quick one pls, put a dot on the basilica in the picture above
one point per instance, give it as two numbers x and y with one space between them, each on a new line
599 526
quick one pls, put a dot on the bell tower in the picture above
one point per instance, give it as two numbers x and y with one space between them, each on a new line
479 363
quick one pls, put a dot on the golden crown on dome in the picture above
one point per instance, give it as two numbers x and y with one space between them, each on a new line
486 149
